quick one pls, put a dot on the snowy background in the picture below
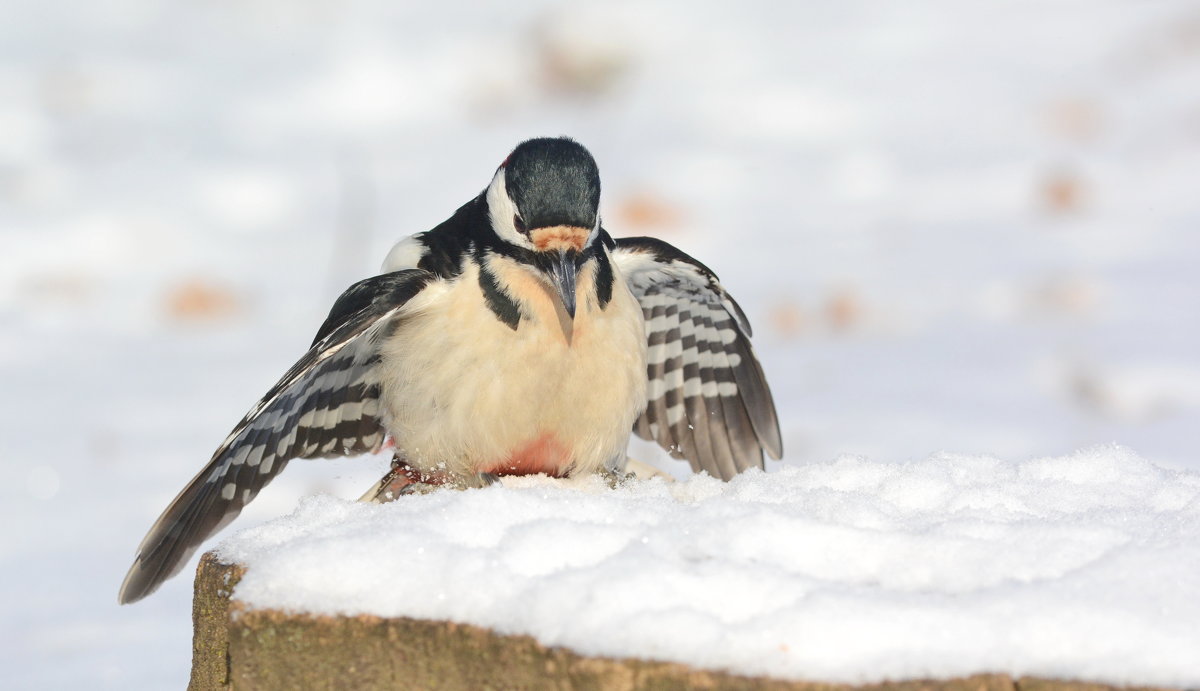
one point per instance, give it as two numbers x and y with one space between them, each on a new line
957 227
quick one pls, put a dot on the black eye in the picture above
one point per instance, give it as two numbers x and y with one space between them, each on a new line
518 223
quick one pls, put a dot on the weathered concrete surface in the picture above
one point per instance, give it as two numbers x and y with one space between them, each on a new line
210 623
235 648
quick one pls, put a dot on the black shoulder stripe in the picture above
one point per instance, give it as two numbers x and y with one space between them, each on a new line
604 279
497 300
607 239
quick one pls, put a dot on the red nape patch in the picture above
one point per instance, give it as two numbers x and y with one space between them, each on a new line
545 454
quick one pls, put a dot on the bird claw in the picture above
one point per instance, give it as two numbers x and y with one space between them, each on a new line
401 479
394 483
486 480
476 481
419 488
616 478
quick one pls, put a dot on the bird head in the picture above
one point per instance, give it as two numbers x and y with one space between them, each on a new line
544 200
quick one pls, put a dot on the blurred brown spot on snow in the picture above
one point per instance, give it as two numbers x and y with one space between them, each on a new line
1064 295
1077 119
198 299
1061 192
1175 39
841 311
645 210
787 319
62 289
844 310
575 57
570 54
1133 393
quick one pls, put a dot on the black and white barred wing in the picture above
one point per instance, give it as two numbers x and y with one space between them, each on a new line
326 405
707 400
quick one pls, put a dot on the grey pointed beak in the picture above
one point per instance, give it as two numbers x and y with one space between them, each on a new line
562 270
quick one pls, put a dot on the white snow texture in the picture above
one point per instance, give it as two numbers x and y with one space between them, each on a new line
1078 567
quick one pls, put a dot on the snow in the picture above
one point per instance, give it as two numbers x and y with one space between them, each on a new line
850 570
965 227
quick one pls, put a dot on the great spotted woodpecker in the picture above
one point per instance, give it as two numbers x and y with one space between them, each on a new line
516 337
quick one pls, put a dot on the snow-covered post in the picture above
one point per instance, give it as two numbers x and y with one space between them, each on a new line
825 576
235 647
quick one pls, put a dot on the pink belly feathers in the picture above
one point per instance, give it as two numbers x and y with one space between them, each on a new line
544 454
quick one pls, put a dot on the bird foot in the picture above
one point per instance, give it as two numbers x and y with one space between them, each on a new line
402 479
394 483
482 480
616 478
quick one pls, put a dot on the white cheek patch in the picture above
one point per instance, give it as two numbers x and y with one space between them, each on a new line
501 210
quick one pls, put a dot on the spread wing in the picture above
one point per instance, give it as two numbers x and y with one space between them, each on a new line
326 405
707 400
